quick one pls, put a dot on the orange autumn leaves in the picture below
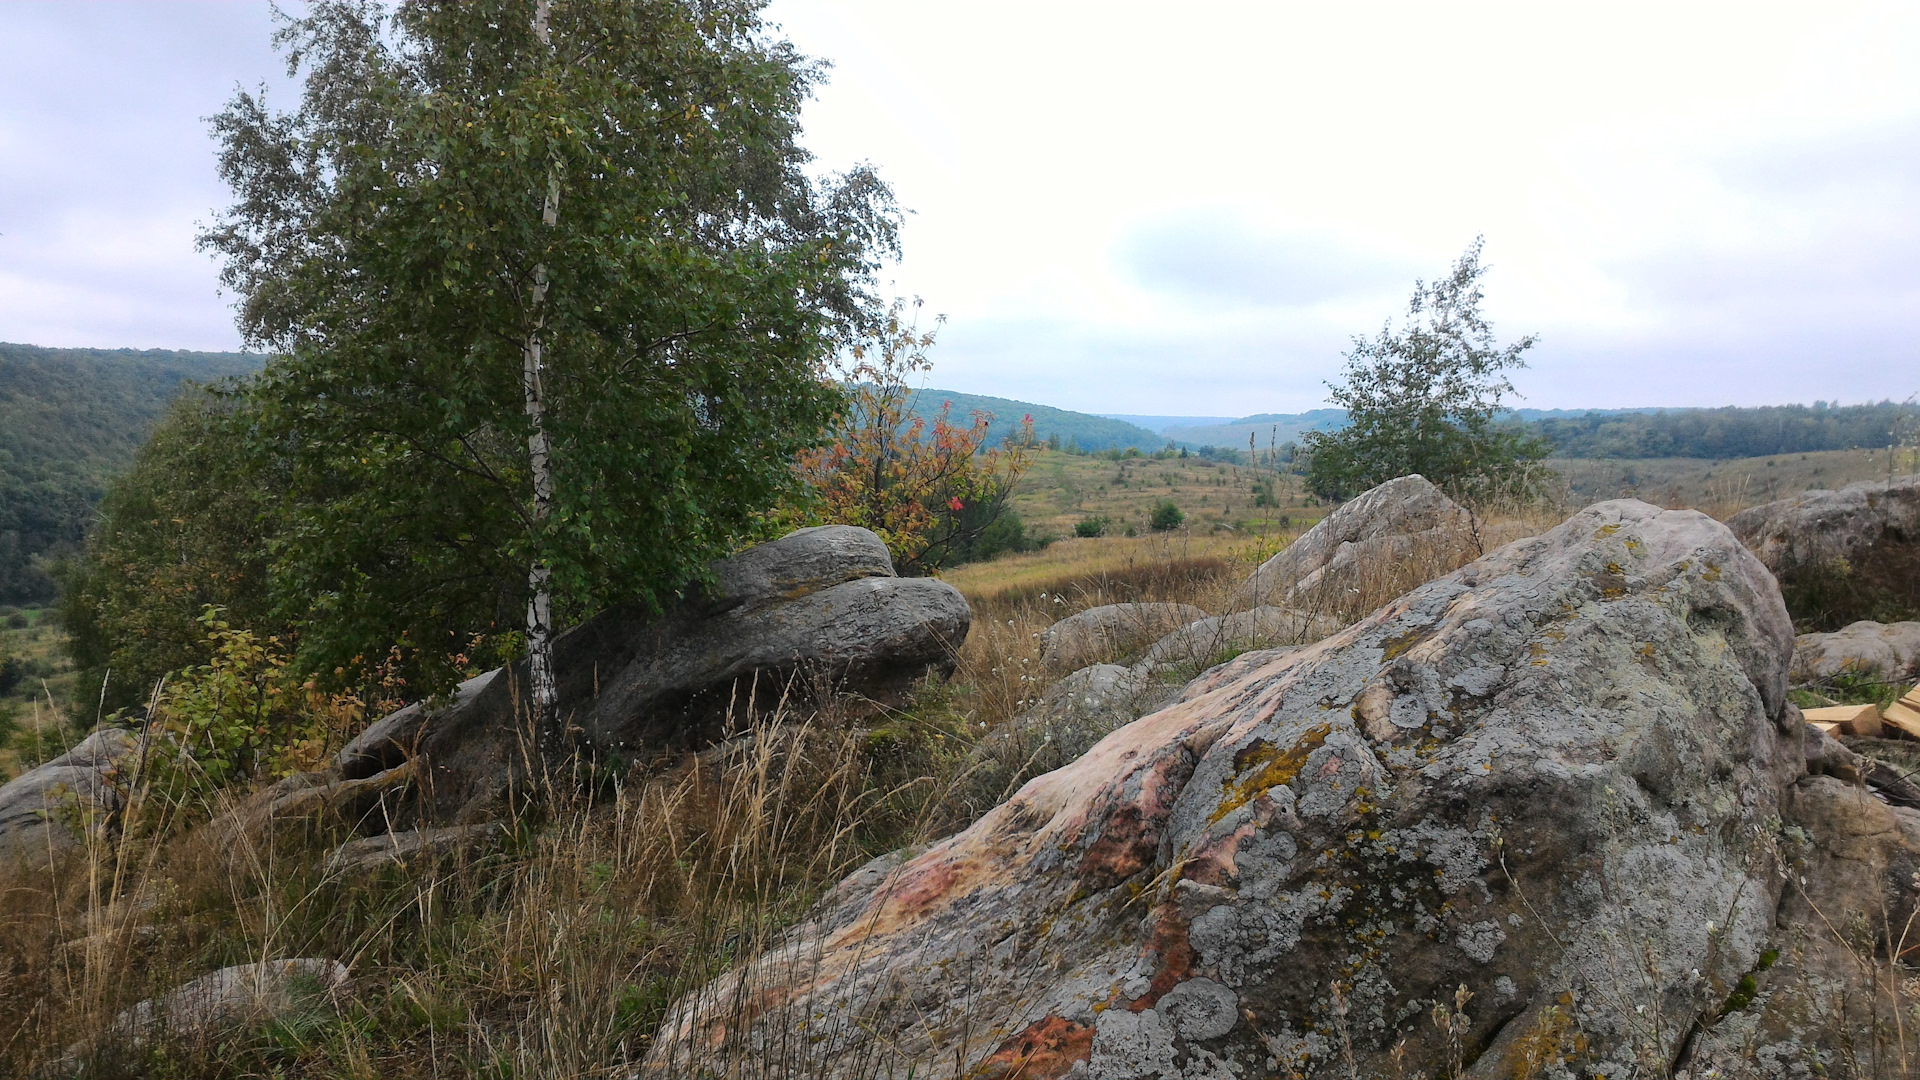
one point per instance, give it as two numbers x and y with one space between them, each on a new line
925 484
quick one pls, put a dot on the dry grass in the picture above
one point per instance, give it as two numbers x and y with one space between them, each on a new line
555 950
552 953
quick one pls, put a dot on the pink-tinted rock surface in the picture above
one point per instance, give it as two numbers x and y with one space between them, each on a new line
1547 778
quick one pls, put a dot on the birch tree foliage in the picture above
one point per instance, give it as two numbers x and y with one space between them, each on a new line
618 182
1426 398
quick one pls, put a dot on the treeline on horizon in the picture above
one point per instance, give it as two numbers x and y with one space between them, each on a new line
1730 432
71 421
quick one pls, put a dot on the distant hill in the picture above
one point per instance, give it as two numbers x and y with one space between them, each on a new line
1276 428
1161 424
70 419
1085 430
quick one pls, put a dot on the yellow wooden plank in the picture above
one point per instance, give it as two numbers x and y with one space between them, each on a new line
1905 713
1849 719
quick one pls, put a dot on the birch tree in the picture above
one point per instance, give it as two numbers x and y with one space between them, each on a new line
551 296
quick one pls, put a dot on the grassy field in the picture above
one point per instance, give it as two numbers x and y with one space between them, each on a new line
1061 490
33 710
1721 488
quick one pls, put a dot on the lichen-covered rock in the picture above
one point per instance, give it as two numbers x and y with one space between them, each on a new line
1546 778
1826 998
1870 649
45 811
1262 627
1405 525
1110 632
1842 556
817 608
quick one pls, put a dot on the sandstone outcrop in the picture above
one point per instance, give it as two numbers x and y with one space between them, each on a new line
1111 631
45 811
1890 652
1841 556
1405 526
1545 780
819 607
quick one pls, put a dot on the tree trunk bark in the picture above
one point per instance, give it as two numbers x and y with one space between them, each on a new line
545 693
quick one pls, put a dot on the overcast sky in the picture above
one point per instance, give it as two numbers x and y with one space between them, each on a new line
1181 208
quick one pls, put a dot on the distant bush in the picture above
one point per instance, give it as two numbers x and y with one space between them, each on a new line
1091 526
1004 534
1167 516
18 621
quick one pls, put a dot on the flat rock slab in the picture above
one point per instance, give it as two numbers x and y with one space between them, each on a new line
1552 767
409 848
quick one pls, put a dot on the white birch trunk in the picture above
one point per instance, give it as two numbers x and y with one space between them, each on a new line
544 691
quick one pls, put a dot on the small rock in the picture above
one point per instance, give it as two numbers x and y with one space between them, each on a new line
1404 525
1870 649
44 810
245 993
1111 632
407 848
1260 628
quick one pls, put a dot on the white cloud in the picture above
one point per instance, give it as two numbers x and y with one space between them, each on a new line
1144 207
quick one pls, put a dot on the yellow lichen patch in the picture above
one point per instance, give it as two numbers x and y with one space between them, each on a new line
1550 1040
1606 531
1711 573
1271 767
1395 647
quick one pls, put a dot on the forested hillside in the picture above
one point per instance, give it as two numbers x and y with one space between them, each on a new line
70 419
1728 432
1086 431
1715 434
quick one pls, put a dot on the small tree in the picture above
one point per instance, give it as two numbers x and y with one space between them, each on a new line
1426 400
931 490
1167 516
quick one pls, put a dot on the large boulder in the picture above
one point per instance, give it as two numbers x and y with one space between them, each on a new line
1110 632
1842 556
1546 780
46 811
1385 540
1888 652
819 608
